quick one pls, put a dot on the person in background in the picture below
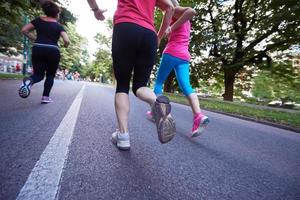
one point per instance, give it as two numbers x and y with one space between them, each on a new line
45 50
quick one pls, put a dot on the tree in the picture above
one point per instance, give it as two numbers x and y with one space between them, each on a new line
12 19
234 34
102 65
70 57
199 72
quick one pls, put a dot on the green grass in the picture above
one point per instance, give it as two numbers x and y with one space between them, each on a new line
11 76
281 117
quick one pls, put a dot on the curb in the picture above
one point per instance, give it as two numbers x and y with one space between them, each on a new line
277 125
10 78
282 126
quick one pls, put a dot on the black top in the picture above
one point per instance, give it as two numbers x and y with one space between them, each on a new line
47 32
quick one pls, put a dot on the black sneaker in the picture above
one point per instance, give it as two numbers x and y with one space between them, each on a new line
24 90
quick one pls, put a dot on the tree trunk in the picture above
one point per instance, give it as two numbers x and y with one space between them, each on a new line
229 77
169 83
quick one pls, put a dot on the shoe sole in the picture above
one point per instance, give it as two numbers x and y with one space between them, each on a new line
166 130
123 148
202 126
123 145
164 123
24 91
46 102
120 146
162 106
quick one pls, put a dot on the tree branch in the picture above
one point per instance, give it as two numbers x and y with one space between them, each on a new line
215 49
258 57
239 30
261 38
253 20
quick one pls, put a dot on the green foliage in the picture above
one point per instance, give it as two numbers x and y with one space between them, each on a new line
257 113
233 38
101 67
11 76
12 20
66 17
281 81
242 33
71 56
211 87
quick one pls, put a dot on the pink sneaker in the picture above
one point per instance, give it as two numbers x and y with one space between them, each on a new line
150 116
200 123
46 99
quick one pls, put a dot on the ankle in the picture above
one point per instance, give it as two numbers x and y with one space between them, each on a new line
198 114
123 135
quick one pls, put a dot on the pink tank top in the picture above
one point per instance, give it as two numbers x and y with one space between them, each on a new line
178 42
139 12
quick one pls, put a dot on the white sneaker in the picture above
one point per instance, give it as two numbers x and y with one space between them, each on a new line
121 140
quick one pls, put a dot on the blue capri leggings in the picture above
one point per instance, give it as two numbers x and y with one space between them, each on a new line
181 68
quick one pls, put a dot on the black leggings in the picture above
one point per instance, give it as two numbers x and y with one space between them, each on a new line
133 49
45 59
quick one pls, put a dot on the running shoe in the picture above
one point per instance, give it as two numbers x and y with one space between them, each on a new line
164 122
46 100
24 90
121 140
200 123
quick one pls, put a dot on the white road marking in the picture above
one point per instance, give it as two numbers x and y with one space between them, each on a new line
43 181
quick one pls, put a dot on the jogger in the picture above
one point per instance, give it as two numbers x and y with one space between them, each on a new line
176 56
45 51
133 50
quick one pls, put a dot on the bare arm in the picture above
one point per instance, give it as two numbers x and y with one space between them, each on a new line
168 9
175 3
182 15
97 11
65 38
26 30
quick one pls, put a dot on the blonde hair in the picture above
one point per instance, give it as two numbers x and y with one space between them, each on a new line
175 3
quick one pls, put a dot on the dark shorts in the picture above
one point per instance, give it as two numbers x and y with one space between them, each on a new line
133 50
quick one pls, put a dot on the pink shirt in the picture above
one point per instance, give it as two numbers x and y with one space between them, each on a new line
178 42
139 12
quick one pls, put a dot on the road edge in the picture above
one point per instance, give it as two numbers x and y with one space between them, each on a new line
277 125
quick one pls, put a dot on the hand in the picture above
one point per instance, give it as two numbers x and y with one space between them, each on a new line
66 44
99 14
168 31
32 39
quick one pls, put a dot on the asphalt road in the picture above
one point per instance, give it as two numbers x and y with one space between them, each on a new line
234 159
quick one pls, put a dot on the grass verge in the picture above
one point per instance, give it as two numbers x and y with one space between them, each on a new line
280 117
11 76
